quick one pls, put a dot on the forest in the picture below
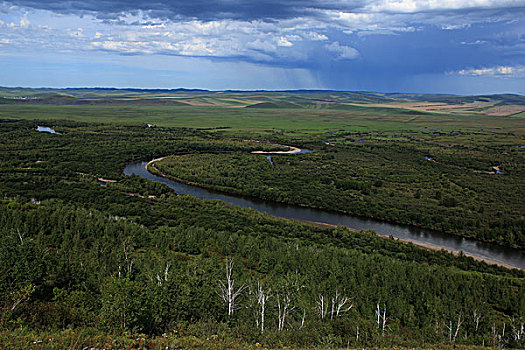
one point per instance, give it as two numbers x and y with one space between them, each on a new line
441 185
135 261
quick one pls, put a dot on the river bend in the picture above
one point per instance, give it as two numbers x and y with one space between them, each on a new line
503 255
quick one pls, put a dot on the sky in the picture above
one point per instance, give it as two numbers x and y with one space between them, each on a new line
427 46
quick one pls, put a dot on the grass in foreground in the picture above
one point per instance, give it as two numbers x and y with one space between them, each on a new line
94 340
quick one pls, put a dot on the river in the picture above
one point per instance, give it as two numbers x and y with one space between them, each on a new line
46 129
503 255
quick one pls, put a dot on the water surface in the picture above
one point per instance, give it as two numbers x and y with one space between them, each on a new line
513 257
46 129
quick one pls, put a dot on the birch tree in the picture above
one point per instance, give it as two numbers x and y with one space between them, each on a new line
161 278
476 315
518 330
227 290
496 337
128 262
262 297
381 318
286 298
14 299
284 308
322 307
20 236
453 331
339 305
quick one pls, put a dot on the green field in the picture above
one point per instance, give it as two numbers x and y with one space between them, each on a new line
261 120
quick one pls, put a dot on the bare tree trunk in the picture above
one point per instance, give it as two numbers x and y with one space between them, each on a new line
449 327
494 334
284 309
381 316
452 335
338 306
340 302
518 330
322 308
227 290
303 319
128 261
262 298
163 279
378 313
23 294
502 338
384 319
20 236
457 328
476 315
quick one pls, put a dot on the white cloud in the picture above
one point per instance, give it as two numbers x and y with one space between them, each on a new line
390 17
344 52
314 36
475 42
284 42
257 40
76 33
24 22
496 71
413 6
455 26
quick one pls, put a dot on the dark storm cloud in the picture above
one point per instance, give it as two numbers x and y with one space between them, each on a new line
198 9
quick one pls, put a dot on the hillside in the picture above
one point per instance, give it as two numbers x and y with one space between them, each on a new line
495 105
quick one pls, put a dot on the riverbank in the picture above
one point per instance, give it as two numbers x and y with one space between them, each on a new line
292 150
153 161
424 245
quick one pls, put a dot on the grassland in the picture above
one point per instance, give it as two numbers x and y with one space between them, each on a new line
490 105
264 120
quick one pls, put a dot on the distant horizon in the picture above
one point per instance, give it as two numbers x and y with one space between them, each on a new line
252 90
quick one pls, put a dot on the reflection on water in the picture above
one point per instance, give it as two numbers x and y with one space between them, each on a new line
46 129
513 257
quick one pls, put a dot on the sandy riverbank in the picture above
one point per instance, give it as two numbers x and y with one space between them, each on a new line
152 161
106 180
420 245
291 151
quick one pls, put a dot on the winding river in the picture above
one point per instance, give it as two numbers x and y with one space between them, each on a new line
433 239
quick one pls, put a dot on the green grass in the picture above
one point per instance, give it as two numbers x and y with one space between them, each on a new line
251 119
92 339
